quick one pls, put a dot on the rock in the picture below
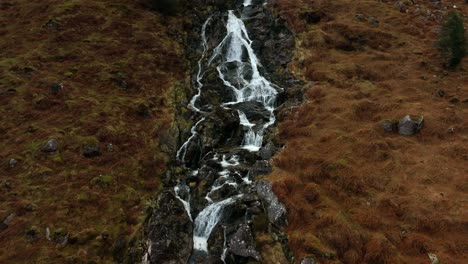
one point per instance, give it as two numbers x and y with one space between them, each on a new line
408 126
308 260
242 244
360 17
110 147
433 258
3 227
143 111
169 231
51 146
254 111
261 167
313 17
454 100
276 211
56 88
32 234
91 150
267 151
390 126
52 24
12 163
440 93
373 21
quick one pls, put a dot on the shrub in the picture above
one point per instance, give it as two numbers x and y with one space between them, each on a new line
452 42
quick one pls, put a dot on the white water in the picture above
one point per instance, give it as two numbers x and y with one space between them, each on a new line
247 86
183 149
186 203
206 221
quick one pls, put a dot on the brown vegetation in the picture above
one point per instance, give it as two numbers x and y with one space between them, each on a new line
354 193
83 72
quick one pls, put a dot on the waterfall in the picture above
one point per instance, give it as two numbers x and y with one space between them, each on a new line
233 53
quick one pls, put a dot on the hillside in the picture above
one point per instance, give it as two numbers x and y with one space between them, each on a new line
95 76
94 99
354 193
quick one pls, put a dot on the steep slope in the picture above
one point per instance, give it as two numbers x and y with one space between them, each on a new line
354 193
95 76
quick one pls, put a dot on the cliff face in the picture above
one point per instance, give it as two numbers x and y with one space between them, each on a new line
95 76
356 193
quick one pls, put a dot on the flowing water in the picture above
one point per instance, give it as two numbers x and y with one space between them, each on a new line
247 86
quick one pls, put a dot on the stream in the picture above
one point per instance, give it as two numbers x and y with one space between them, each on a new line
211 213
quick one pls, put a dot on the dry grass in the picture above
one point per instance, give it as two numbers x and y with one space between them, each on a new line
352 191
116 60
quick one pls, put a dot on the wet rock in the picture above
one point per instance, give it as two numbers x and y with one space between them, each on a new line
12 163
409 126
91 150
390 126
254 111
169 231
241 244
50 146
276 211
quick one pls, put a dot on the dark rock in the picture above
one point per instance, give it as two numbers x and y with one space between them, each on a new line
267 151
118 249
52 24
373 21
91 150
50 146
32 234
3 227
409 126
313 17
169 231
261 167
143 111
360 17
56 88
390 126
242 244
440 93
276 211
254 111
454 100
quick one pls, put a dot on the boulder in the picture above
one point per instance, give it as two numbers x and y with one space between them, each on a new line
242 244
409 126
276 211
254 111
50 146
390 126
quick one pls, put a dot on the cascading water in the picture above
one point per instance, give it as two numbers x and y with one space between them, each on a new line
248 87
212 181
214 204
